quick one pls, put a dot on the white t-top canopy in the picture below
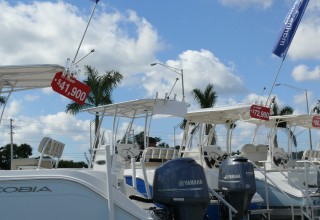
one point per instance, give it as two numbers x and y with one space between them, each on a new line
220 115
22 77
139 108
303 120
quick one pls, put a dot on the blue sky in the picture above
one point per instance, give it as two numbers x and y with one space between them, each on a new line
224 42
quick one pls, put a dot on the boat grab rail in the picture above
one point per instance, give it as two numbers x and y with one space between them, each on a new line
230 207
295 185
264 173
145 178
306 178
305 169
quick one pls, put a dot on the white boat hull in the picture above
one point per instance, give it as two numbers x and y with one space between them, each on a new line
61 194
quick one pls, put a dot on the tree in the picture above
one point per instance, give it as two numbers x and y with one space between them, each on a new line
286 110
22 151
164 145
139 138
206 99
2 100
72 164
101 91
316 109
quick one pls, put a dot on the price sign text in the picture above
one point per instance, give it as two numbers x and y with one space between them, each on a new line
316 121
70 88
260 112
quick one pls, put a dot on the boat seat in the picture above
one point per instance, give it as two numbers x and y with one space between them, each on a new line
127 151
48 147
213 155
279 156
159 153
311 155
314 156
255 153
306 155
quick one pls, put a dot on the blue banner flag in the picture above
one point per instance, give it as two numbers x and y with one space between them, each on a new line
289 28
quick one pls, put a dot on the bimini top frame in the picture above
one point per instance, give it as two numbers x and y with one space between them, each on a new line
216 116
132 110
25 77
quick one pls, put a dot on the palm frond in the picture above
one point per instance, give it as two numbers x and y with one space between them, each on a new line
101 89
2 99
286 110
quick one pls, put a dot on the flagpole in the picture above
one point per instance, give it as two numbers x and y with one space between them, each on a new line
275 80
287 32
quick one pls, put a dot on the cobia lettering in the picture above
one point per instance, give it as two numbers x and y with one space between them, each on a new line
24 189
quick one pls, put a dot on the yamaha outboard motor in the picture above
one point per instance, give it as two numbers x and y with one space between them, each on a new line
181 186
237 182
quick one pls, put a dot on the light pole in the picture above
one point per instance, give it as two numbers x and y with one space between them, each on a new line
307 102
176 70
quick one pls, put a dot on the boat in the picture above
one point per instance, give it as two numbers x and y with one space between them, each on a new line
293 186
200 143
97 192
138 164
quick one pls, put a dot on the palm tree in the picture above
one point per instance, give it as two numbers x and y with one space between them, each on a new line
286 110
2 100
206 99
101 91
316 109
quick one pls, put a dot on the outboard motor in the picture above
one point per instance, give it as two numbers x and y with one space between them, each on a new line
237 182
181 186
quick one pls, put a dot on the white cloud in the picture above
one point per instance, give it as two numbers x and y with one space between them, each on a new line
61 122
50 32
247 3
63 127
13 108
122 41
199 69
47 91
255 98
31 98
306 43
303 73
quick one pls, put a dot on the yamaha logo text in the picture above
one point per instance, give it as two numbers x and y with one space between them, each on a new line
190 182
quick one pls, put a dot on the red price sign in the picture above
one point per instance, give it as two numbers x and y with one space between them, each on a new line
260 112
70 88
316 121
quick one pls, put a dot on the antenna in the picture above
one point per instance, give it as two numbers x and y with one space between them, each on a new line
84 56
264 88
172 88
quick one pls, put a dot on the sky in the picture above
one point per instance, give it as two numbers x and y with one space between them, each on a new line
227 43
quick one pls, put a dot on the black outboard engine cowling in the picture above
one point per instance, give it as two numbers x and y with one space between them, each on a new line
237 182
181 186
